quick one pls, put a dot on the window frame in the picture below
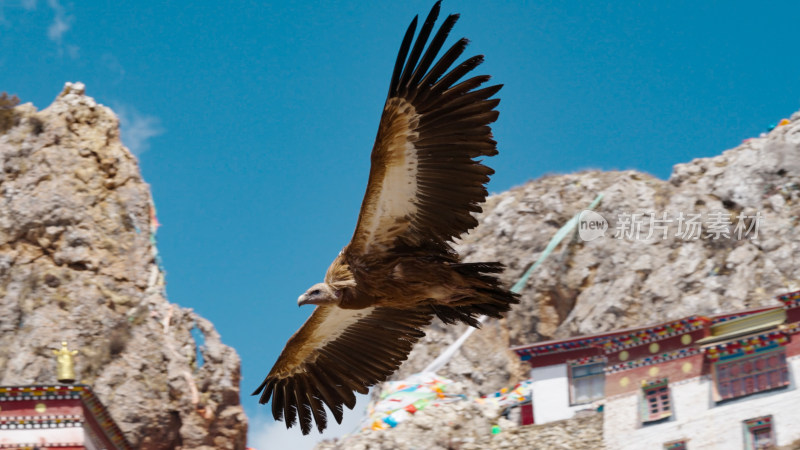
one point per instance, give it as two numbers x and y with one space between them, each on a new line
593 377
750 374
680 444
660 392
755 427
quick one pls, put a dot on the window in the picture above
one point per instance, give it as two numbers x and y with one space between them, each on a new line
675 445
656 400
587 383
758 433
750 374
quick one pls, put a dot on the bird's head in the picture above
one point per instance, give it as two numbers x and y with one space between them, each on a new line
318 294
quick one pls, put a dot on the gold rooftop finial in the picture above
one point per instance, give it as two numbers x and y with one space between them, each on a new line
65 367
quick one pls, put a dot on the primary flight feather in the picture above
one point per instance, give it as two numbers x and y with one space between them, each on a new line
400 270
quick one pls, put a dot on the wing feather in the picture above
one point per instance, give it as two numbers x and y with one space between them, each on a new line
447 60
401 55
424 183
277 398
338 351
301 404
424 33
331 398
315 405
433 48
290 406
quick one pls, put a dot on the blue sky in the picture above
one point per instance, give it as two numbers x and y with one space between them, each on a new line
253 122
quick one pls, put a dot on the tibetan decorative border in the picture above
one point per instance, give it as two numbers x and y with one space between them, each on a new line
20 424
790 300
47 421
611 342
19 393
745 346
656 333
655 359
656 383
680 444
61 392
792 328
586 360
558 347
107 424
758 422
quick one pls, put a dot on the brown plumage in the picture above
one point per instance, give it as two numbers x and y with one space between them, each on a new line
399 270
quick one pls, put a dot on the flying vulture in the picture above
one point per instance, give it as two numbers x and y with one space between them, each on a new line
400 270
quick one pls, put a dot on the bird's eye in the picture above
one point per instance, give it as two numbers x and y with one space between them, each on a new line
315 292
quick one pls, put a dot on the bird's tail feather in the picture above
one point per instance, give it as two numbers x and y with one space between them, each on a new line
488 297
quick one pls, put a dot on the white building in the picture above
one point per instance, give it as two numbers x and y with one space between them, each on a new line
727 381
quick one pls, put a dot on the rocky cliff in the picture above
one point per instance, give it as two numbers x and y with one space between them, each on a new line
609 283
78 263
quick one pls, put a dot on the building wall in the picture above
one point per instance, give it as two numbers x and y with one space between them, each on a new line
630 381
697 418
551 394
37 436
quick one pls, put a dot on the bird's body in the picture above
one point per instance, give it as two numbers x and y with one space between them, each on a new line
400 271
400 281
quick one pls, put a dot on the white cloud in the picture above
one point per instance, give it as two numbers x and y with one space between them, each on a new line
61 22
137 129
27 5
265 434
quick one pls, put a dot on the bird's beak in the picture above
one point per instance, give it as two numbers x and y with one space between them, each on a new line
302 300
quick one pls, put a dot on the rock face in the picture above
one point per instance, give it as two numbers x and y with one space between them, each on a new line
611 283
78 263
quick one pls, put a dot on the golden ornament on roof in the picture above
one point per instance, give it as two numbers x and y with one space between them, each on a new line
65 363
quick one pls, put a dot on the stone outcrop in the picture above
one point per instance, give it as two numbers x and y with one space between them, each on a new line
611 283
78 263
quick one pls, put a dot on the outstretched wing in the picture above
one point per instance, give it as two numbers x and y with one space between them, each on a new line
424 182
338 351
